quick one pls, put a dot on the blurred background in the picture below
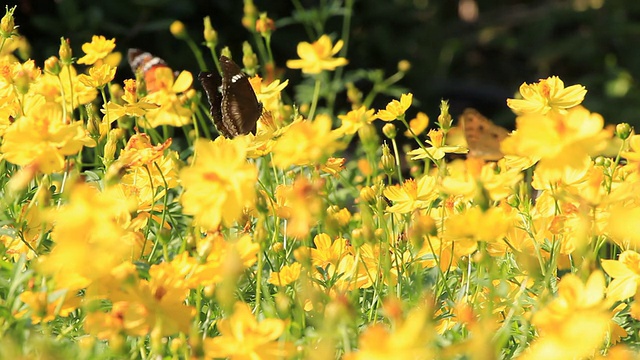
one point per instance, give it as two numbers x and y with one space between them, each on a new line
473 52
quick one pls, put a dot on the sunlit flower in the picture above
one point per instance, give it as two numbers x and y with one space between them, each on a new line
219 183
395 109
355 119
417 125
474 224
558 140
306 142
286 275
625 273
168 94
300 204
437 150
131 107
316 57
44 307
43 141
97 49
243 337
408 339
546 95
412 195
98 76
575 323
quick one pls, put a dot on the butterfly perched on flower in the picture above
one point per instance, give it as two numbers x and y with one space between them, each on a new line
482 135
234 106
146 64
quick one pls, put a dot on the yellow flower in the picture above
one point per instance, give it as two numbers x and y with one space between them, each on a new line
575 323
624 225
316 57
625 273
243 337
97 49
355 119
219 183
412 195
268 94
546 95
408 339
417 124
173 110
395 109
131 106
558 140
436 151
42 141
300 204
92 222
98 76
286 275
45 307
474 224
306 142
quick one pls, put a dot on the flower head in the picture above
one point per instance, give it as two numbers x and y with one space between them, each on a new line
219 183
395 109
98 76
355 119
97 49
412 195
546 95
318 56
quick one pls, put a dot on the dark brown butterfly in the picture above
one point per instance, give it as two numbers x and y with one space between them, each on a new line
146 64
234 106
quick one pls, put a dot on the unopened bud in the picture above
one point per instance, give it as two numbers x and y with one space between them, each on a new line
178 30
623 130
65 52
389 130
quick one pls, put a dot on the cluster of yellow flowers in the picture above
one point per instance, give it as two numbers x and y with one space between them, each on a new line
271 245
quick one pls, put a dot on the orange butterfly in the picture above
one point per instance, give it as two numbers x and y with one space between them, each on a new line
482 135
146 64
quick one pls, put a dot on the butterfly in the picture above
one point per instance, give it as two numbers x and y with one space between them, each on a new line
146 64
234 106
482 135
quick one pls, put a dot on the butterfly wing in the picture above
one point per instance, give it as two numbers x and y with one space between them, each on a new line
146 64
240 107
483 136
211 82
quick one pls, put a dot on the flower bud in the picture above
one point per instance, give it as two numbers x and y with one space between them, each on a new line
623 130
52 66
368 194
389 130
265 25
65 52
7 24
250 15
404 66
444 119
210 34
387 160
178 30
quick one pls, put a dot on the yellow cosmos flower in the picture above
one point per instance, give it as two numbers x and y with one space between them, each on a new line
575 323
412 195
98 76
546 95
131 106
286 275
558 140
307 142
417 124
410 338
243 337
316 57
173 109
437 150
355 119
395 109
268 94
219 183
97 49
474 224
45 307
625 273
44 142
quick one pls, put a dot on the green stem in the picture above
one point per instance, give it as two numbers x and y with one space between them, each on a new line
314 102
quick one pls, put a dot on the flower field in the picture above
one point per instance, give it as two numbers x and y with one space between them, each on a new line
132 230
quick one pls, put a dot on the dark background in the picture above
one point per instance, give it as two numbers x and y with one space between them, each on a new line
475 62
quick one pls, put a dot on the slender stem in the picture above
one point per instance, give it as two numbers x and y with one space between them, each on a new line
314 102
